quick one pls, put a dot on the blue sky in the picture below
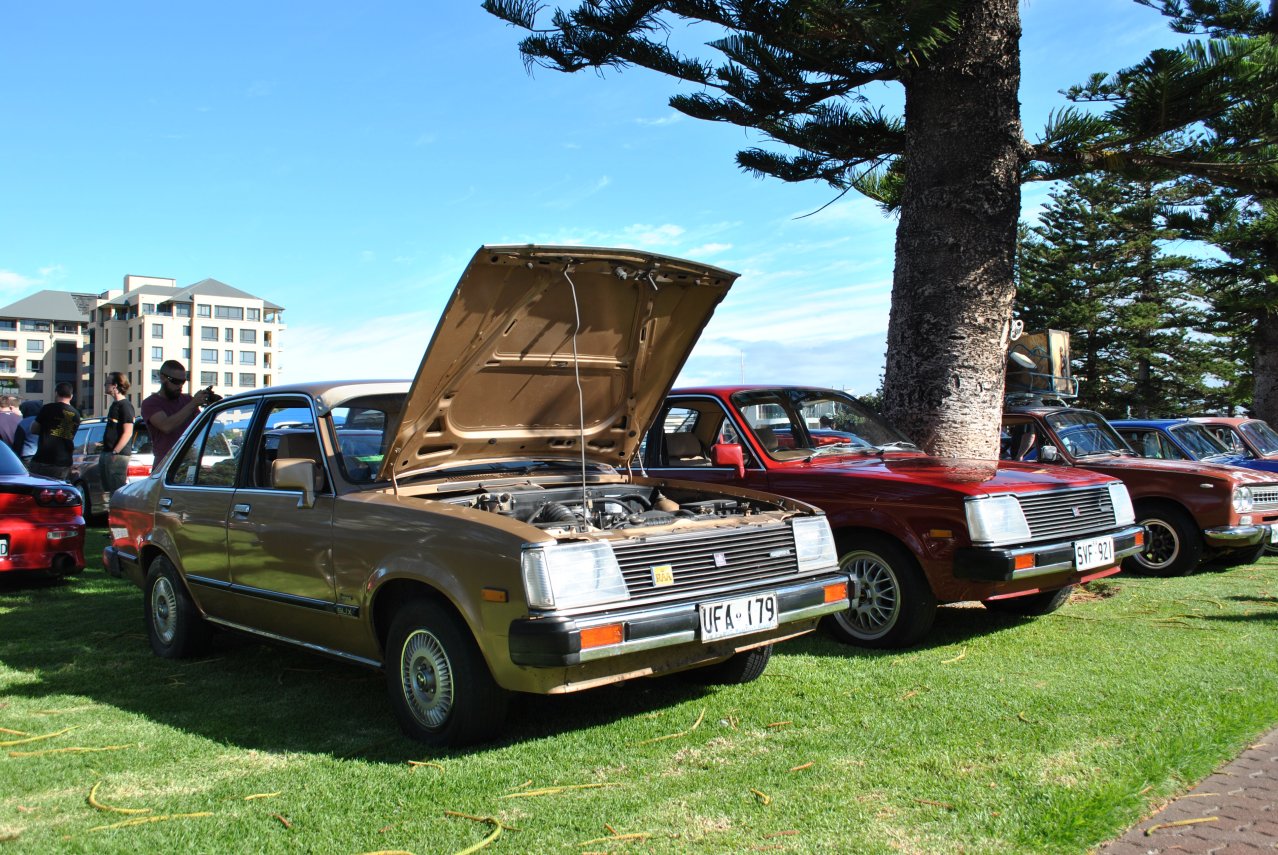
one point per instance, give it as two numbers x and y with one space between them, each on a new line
345 160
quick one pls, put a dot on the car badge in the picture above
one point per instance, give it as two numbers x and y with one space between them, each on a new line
720 559
662 575
1078 512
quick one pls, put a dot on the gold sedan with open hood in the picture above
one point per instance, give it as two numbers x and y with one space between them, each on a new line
476 533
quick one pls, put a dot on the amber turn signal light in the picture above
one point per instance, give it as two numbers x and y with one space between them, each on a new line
837 591
600 636
1140 537
494 595
1023 562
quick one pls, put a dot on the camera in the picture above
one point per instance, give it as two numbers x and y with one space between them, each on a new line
213 397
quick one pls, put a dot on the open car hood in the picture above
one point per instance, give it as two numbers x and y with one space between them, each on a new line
505 377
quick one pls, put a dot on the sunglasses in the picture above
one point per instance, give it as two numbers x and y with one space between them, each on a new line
177 380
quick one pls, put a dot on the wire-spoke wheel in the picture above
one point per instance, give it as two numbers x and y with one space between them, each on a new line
893 605
1173 545
439 684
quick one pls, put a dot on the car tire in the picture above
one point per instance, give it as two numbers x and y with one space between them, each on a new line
743 667
1032 605
173 623
895 605
441 690
1173 544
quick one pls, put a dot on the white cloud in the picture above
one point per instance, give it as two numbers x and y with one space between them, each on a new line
388 347
9 280
668 119
708 249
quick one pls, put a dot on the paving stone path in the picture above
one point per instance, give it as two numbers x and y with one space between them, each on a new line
1232 812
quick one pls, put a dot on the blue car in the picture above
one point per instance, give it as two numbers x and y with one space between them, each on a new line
1176 439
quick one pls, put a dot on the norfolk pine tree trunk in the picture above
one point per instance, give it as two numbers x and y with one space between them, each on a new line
1264 402
952 289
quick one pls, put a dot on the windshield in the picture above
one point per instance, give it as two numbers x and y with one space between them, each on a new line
1085 433
1262 436
791 423
1199 441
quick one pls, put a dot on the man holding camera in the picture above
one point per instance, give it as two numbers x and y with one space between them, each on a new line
168 412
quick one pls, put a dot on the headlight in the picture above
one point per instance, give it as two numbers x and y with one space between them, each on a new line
814 544
565 575
994 520
1124 514
1242 499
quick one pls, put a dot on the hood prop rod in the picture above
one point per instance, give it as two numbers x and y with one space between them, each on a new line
587 506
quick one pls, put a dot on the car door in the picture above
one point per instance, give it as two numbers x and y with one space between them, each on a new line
279 550
680 443
193 507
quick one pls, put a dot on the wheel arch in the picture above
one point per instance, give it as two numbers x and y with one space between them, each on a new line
847 536
1157 503
394 593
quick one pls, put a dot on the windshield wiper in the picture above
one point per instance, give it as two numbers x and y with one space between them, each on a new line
898 445
842 448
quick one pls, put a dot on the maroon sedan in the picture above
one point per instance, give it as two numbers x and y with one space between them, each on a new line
41 526
912 530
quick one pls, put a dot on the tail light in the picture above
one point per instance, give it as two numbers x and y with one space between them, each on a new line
57 497
137 470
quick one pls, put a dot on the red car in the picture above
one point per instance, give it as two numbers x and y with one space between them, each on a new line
912 530
41 526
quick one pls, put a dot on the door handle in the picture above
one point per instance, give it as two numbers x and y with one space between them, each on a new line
165 503
241 508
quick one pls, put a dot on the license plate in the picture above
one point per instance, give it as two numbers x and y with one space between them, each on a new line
1096 552
738 617
4 547
1273 534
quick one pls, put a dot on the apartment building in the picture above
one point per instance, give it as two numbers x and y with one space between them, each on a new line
43 343
225 337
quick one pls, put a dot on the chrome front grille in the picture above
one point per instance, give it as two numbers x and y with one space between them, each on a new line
705 561
1065 513
1265 498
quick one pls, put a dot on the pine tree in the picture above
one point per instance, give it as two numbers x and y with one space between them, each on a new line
1095 266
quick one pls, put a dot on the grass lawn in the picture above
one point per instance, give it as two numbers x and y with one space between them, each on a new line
998 735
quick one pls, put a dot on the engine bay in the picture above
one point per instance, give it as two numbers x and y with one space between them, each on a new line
612 507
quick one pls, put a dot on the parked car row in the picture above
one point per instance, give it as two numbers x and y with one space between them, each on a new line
538 512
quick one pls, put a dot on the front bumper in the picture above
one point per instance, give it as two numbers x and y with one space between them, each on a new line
999 564
1236 536
555 641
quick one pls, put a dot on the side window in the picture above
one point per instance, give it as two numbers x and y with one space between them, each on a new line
287 431
96 432
1168 450
685 434
211 458
1019 441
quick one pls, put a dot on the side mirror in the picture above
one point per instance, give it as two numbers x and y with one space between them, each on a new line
1049 454
296 473
728 454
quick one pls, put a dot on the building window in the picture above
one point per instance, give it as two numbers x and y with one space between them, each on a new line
182 310
157 353
35 346
208 333
155 377
35 387
130 355
148 308
208 354
248 357
202 311
8 344
208 378
255 314
229 313
229 357
130 333
248 336
35 364
228 334
186 353
8 325
186 330
228 379
157 330
248 381
8 366
35 326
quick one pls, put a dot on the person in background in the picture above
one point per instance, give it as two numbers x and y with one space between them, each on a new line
113 461
25 438
56 423
170 410
9 418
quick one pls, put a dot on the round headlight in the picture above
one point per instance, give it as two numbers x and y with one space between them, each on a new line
1242 499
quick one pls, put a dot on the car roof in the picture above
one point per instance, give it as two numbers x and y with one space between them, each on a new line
1148 423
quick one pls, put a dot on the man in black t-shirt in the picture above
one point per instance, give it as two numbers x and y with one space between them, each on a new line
117 440
56 424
